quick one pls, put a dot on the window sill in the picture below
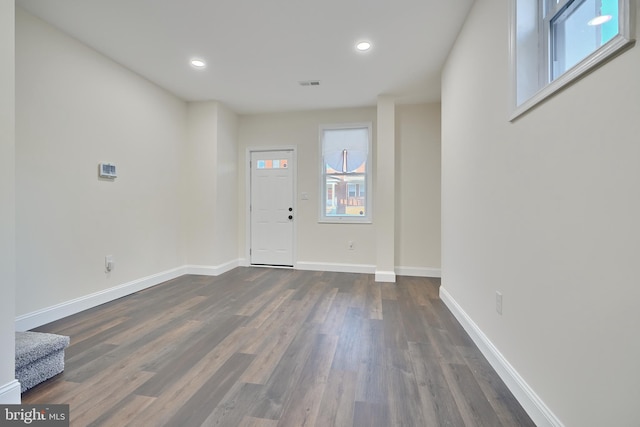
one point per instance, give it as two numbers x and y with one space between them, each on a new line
613 48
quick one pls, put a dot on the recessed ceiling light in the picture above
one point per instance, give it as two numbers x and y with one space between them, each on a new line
599 20
198 63
363 46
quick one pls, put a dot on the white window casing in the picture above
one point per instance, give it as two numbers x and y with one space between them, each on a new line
345 194
538 53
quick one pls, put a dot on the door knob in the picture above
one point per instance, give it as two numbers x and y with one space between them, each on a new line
290 216
290 209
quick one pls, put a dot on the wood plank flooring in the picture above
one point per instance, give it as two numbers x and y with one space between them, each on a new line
260 347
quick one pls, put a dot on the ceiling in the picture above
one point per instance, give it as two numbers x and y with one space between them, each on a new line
257 51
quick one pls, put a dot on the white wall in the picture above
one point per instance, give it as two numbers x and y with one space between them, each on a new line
417 139
227 217
316 243
9 393
384 182
75 108
418 187
546 210
211 185
201 180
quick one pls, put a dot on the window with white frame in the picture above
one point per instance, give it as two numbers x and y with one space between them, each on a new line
345 156
553 42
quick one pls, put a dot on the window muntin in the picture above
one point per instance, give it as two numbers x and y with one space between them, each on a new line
553 42
345 164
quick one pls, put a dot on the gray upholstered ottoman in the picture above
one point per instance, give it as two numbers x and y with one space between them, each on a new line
39 356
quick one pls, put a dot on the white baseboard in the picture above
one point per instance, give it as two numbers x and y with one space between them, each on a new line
49 314
381 276
530 401
212 270
10 393
335 267
385 276
67 308
419 272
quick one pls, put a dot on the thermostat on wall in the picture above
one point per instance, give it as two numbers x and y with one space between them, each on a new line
107 170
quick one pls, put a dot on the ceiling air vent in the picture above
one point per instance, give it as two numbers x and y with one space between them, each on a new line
309 83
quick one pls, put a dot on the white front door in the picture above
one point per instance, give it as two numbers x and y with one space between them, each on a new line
272 211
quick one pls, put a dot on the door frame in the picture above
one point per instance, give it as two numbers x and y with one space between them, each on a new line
247 200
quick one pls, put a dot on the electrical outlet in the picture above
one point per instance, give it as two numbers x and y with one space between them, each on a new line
108 263
351 245
499 302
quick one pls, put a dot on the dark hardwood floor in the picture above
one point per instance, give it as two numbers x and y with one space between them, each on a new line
271 347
